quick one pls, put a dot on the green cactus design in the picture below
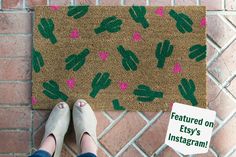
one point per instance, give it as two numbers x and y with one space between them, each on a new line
198 52
145 94
46 28
77 11
111 24
187 89
138 15
117 106
51 89
129 60
163 50
183 22
76 61
100 81
37 60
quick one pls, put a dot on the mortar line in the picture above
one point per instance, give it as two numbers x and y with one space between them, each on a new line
122 2
69 150
173 3
147 2
16 81
23 4
14 130
230 152
48 2
221 12
223 18
104 150
213 152
224 4
108 117
159 150
32 133
72 2
5 105
139 150
97 2
198 2
143 116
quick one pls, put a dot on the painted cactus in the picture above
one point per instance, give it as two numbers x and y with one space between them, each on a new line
198 52
100 81
77 11
129 60
46 28
163 50
187 89
138 15
111 24
37 60
146 94
117 106
76 61
183 22
51 89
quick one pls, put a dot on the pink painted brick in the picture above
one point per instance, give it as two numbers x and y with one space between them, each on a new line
40 116
109 2
15 69
122 132
33 3
101 153
38 136
185 2
168 152
218 30
211 52
150 115
135 2
15 46
15 23
15 141
160 2
225 65
12 4
89 2
60 2
15 118
232 87
212 5
102 122
154 137
225 139
131 152
230 4
15 93
114 114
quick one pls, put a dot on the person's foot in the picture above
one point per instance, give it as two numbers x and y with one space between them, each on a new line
55 129
85 124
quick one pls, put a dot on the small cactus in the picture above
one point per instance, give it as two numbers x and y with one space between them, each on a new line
100 81
37 60
46 28
117 106
198 52
129 60
145 94
187 89
111 24
76 61
77 11
51 89
183 22
138 15
163 50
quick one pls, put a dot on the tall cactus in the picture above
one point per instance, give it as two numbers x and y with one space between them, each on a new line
183 22
138 15
129 60
100 81
51 89
116 105
37 60
187 89
198 52
163 50
111 24
77 11
76 61
146 94
46 28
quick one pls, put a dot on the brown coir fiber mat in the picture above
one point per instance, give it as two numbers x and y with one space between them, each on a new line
116 58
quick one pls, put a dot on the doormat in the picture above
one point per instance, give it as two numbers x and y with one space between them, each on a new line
119 57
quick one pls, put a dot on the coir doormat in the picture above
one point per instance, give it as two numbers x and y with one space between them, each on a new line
119 57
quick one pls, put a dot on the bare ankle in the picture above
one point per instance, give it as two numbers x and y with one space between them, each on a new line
88 145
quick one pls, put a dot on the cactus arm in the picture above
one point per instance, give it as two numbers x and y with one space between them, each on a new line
37 61
82 12
40 60
137 13
94 92
194 47
99 29
42 32
145 99
78 65
180 28
134 57
182 92
50 95
157 94
173 14
186 18
116 105
125 64
71 63
115 29
52 38
70 58
62 96
104 78
132 65
77 11
84 53
141 92
122 51
199 58
51 24
192 85
144 87
198 52
95 80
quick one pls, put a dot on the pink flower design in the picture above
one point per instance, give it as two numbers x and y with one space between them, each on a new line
159 11
71 83
74 34
203 22
123 86
55 7
137 36
103 55
177 68
33 100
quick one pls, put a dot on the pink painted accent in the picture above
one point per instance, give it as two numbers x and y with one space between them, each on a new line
203 22
177 68
33 100
137 36
71 83
55 7
171 105
74 34
103 55
159 11
123 86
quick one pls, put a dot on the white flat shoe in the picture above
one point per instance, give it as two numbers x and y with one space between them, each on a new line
57 125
